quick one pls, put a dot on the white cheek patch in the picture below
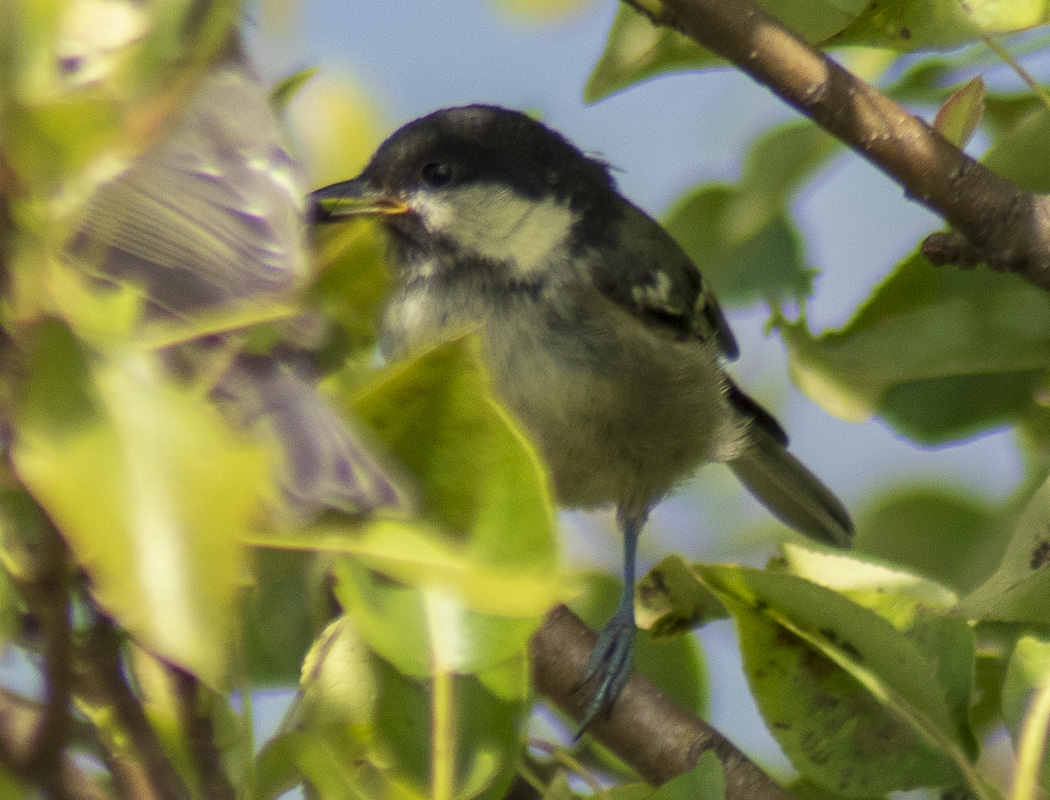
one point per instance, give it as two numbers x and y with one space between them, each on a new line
497 223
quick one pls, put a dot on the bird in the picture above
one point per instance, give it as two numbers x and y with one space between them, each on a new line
209 220
599 333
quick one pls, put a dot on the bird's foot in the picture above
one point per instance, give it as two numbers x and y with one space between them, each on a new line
609 665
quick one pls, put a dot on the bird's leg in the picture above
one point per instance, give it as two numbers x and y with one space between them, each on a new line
613 654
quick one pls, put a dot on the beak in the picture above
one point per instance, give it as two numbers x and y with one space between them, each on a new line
353 198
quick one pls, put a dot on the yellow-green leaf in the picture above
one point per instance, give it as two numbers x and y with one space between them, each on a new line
149 486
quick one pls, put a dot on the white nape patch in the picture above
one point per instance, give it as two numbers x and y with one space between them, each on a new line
497 223
656 295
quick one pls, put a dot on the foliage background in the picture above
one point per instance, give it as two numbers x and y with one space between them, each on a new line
933 509
663 137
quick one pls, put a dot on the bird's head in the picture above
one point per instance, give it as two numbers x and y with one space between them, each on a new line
480 180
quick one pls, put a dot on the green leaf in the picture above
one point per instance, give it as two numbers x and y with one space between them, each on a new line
908 25
479 475
960 115
281 94
350 287
1026 675
853 702
1019 590
424 556
743 235
980 369
339 688
391 731
743 265
406 625
1022 153
276 766
917 607
669 601
635 50
705 781
280 614
149 486
940 532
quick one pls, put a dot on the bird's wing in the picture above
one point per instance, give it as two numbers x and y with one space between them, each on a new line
211 213
653 278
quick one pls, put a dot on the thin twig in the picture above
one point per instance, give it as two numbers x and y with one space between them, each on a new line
20 721
1008 57
138 762
195 707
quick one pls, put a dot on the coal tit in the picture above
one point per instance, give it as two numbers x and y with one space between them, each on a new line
598 331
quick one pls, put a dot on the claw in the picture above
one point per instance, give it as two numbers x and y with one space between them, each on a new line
613 653
609 665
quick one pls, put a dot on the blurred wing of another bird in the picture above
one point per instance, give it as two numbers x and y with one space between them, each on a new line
210 219
211 214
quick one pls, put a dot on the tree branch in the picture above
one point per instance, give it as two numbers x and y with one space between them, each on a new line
195 710
20 722
646 729
994 221
139 764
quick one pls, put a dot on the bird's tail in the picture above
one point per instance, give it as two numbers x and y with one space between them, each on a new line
779 481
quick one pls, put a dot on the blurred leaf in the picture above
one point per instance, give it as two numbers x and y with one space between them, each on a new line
669 601
635 49
340 691
980 369
908 25
91 81
940 532
280 621
392 731
1022 153
1028 669
704 781
281 94
276 767
851 700
11 788
150 487
743 266
961 114
1019 590
351 285
480 477
743 235
1027 674
336 127
989 674
541 10
406 624
424 556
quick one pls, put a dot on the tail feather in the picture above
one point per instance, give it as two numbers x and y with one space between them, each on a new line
792 493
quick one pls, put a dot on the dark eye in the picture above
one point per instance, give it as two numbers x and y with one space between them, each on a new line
437 174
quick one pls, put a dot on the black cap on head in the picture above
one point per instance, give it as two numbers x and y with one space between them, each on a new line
480 143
